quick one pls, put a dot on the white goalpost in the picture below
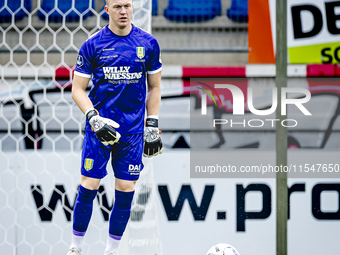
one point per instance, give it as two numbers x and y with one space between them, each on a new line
41 134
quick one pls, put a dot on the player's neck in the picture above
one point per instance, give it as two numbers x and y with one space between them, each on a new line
121 32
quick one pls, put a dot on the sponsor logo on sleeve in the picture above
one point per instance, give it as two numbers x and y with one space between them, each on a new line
80 61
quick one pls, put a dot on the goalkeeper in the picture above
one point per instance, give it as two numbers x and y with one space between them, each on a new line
119 59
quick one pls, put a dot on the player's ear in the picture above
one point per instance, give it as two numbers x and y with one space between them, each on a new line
106 9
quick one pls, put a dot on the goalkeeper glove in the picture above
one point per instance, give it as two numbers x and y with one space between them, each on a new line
103 127
152 141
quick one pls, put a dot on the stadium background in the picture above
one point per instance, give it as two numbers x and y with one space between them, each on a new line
41 128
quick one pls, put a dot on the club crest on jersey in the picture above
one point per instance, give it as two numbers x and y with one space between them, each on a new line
80 61
140 52
88 164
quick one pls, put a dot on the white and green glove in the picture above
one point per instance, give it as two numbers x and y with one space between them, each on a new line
103 127
152 141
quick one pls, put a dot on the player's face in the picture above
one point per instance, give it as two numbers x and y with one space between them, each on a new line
120 12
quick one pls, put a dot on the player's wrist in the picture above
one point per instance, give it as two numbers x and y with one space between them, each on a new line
91 113
151 121
152 141
152 117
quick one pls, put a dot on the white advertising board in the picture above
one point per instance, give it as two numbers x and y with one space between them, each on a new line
183 231
193 214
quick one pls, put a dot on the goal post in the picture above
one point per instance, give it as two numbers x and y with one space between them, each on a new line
41 135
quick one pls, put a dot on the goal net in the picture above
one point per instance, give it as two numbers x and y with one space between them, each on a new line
41 133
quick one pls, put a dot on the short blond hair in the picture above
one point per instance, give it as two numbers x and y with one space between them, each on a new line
108 2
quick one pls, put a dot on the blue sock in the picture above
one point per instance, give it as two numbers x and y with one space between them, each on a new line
120 213
83 210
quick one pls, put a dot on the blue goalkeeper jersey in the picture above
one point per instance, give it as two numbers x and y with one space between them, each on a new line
118 66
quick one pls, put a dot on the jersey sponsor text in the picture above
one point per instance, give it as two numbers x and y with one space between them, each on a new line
119 73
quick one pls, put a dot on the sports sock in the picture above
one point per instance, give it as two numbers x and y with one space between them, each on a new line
81 215
119 218
77 241
112 244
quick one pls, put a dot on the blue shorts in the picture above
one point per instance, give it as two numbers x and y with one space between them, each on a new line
126 157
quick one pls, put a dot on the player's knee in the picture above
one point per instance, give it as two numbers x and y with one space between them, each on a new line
89 183
124 185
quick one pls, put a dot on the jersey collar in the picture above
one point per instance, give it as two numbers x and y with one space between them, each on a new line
112 33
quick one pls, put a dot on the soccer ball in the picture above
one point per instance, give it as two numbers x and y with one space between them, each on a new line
222 249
